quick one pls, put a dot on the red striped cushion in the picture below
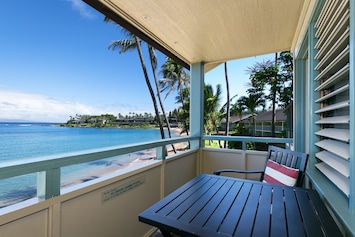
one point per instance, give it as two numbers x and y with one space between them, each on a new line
280 174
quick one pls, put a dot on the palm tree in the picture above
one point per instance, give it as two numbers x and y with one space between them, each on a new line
183 112
228 104
175 78
131 44
211 104
252 102
237 109
154 63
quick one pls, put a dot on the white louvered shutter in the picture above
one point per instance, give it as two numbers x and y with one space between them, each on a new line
332 32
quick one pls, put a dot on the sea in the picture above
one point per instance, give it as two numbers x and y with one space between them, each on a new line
23 140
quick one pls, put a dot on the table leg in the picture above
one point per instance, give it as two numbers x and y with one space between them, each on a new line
165 233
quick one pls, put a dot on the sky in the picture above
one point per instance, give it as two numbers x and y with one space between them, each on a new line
55 63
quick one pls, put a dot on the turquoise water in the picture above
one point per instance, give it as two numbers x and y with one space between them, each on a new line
26 140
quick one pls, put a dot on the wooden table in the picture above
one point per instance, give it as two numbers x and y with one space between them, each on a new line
211 205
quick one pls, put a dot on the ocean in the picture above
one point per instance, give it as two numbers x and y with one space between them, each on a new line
27 140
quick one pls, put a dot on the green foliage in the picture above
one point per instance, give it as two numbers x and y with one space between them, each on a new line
211 144
111 121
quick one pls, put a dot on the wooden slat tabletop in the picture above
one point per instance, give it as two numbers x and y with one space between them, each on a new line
210 205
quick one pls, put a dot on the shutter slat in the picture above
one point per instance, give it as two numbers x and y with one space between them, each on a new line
335 106
338 148
336 49
338 163
338 32
334 120
339 180
335 133
341 59
333 93
336 18
323 15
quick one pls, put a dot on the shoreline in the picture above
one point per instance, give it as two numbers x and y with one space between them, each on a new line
142 157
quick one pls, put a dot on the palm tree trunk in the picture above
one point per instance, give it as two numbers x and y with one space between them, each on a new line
217 131
149 87
228 105
150 49
273 121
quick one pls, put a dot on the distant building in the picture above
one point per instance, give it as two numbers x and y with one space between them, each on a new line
234 120
263 123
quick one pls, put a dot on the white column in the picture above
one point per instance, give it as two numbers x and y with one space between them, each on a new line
196 102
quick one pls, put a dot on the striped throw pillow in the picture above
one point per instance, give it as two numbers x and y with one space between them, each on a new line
280 174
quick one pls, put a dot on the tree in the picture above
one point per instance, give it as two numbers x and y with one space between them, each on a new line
237 109
251 102
276 77
228 104
183 113
265 74
286 75
212 116
154 63
131 44
176 78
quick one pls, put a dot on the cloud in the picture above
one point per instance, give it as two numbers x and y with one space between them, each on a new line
19 106
82 8
15 105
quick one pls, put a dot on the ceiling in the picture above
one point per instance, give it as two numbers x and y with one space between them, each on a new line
212 31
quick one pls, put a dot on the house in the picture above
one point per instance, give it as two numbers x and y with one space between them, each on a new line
202 35
262 123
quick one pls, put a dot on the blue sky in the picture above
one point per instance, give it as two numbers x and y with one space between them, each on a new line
54 63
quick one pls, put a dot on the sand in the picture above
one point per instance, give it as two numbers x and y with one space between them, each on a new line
138 158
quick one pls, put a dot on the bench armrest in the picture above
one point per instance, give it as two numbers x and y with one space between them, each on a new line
218 172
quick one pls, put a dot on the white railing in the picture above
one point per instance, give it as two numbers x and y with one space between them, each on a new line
48 167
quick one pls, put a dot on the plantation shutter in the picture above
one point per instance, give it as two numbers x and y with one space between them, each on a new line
332 32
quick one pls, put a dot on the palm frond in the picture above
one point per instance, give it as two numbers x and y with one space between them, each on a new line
123 45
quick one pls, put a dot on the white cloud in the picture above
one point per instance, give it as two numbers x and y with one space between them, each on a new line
82 8
16 105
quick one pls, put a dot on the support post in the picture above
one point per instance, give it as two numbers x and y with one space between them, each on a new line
48 183
196 103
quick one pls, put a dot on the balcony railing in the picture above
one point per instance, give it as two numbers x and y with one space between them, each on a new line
244 140
49 167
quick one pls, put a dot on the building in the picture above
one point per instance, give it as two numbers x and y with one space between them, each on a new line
263 123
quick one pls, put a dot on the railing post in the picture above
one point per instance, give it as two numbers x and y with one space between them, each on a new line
48 183
161 152
244 145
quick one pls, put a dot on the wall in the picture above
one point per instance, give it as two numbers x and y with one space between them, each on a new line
215 159
107 206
